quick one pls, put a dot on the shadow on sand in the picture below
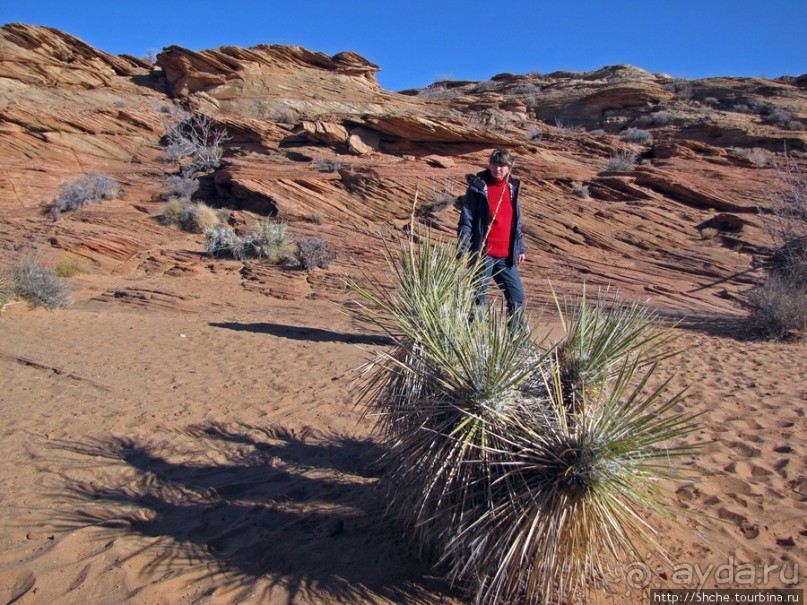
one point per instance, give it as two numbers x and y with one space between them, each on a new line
305 333
253 509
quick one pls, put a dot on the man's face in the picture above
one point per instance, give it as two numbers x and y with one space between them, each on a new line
499 171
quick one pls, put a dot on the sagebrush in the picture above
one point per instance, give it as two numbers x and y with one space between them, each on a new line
39 285
314 253
93 187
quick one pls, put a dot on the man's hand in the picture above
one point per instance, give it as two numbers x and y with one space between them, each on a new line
520 259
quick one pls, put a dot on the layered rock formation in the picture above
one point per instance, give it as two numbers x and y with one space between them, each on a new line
315 141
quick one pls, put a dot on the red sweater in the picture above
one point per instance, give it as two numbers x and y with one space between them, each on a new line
501 215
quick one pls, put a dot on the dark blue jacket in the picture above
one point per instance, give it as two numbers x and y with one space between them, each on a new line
475 217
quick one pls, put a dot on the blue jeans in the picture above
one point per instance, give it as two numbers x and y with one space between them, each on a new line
509 282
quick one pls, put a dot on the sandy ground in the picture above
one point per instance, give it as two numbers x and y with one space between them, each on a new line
215 455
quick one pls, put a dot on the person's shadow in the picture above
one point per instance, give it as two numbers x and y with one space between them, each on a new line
305 333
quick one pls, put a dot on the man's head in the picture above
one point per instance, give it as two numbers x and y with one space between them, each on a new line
500 163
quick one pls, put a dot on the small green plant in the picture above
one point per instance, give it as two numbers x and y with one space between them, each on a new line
622 161
69 267
93 187
39 285
314 253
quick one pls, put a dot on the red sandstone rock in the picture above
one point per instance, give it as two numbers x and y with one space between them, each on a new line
67 109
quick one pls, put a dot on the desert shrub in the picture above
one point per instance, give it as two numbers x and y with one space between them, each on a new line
181 186
315 218
39 285
196 137
622 161
637 135
534 133
778 306
787 221
220 240
314 253
709 232
440 199
269 240
324 165
580 190
524 466
681 88
567 126
657 118
172 210
778 115
69 267
93 187
6 288
198 217
758 157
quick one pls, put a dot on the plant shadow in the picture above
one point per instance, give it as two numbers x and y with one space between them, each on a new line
251 510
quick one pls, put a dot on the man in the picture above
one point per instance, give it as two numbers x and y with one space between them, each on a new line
490 225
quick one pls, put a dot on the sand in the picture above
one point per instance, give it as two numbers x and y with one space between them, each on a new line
212 452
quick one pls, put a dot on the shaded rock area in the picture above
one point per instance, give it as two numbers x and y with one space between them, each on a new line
315 141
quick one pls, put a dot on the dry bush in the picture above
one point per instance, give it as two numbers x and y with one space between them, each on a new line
181 186
622 161
39 285
269 240
69 267
637 135
709 232
173 210
93 187
323 165
580 190
314 253
198 217
778 307
196 137
6 288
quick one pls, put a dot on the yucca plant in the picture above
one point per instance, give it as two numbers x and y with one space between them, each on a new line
569 489
600 337
446 382
523 466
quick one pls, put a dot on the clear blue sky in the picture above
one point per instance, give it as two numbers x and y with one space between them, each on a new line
416 42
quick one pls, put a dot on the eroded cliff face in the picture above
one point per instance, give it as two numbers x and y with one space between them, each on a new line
707 151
